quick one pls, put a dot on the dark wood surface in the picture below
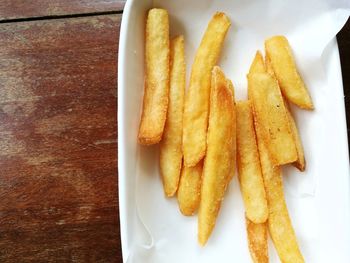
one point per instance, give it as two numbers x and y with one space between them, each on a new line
58 140
18 9
58 130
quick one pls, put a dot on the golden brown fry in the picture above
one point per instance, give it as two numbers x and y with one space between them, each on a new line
189 192
270 114
268 65
248 163
171 144
279 223
155 99
257 241
257 65
300 162
282 61
197 99
219 161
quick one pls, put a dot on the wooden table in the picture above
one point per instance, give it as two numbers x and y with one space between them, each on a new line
58 129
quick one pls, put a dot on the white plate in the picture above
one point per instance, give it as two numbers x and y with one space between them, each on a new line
152 228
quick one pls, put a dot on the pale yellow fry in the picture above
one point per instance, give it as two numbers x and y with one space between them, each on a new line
171 144
197 99
269 68
219 162
257 66
155 99
248 163
270 115
292 86
279 223
257 241
189 192
300 162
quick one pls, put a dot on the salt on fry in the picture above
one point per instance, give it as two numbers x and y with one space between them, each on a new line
197 99
171 144
219 161
155 99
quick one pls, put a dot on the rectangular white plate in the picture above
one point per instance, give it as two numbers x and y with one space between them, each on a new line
152 228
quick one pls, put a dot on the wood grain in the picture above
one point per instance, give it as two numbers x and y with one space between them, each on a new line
58 141
15 9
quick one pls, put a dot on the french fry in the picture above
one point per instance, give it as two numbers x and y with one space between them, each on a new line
282 61
257 241
219 162
155 99
248 163
279 223
270 114
189 192
269 68
300 162
197 99
171 144
257 65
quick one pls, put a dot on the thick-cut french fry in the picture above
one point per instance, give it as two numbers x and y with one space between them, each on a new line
279 223
248 163
257 241
300 162
171 144
292 86
189 192
270 114
257 65
197 99
219 161
269 68
155 100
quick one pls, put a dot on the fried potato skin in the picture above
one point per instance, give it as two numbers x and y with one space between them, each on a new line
270 114
279 223
293 88
189 192
257 65
171 144
300 162
155 99
197 98
257 241
219 161
248 163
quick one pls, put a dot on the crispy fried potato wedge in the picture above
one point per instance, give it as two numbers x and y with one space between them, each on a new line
197 99
257 65
171 144
279 223
257 241
219 161
269 68
270 115
300 163
155 99
189 192
282 61
248 163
